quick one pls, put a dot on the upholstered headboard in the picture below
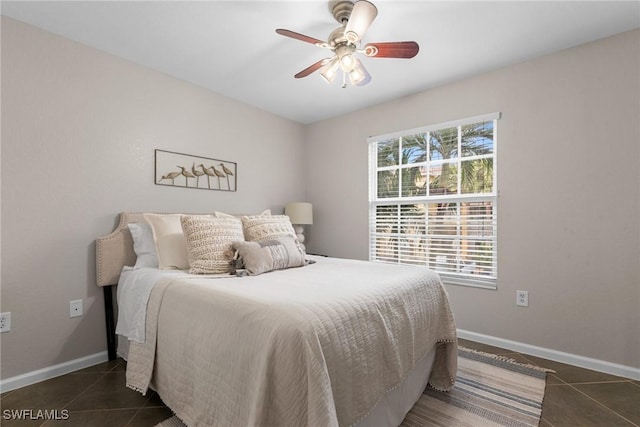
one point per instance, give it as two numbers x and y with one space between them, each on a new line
115 250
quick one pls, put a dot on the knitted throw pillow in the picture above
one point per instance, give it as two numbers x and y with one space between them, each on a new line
209 242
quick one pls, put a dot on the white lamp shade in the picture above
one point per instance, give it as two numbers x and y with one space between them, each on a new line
299 212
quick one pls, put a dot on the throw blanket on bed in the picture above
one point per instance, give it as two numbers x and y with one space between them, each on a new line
317 345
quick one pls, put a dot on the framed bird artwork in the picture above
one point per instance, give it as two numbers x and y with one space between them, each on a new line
188 171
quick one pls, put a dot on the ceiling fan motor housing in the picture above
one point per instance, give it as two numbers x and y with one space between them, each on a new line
337 37
341 10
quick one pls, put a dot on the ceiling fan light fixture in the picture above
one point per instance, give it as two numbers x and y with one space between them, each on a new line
347 62
344 52
330 69
359 76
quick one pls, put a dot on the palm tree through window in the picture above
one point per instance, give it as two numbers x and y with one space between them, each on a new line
433 199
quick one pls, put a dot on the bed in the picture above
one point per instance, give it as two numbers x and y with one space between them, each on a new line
333 342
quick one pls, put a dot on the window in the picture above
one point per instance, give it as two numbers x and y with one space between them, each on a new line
432 199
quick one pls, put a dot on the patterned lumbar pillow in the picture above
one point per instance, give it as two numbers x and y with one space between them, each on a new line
261 257
209 242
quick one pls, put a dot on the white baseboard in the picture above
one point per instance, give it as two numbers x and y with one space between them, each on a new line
558 356
571 359
52 371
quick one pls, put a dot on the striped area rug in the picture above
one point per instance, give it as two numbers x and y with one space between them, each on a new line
490 390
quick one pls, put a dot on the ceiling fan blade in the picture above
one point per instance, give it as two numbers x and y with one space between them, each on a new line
362 16
298 36
312 68
392 50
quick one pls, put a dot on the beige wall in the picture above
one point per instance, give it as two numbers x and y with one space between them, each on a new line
569 205
78 138
80 126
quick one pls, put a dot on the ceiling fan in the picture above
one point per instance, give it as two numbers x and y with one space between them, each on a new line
355 19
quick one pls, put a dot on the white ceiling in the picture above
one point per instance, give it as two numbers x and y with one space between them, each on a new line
231 47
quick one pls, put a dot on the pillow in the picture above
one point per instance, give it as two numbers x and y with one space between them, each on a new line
263 213
171 246
259 228
209 242
143 245
276 254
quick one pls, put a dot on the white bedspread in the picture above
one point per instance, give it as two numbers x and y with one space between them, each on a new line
315 346
134 289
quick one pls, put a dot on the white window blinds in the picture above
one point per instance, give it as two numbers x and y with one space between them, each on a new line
432 199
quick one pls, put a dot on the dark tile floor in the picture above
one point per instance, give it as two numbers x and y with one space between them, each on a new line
97 397
91 397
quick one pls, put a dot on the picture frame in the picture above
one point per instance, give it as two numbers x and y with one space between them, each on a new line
181 170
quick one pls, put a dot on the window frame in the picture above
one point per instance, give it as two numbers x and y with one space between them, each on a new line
460 197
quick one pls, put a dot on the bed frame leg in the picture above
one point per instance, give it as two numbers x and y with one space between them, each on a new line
111 329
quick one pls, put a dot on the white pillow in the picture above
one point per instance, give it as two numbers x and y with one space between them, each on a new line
170 243
143 245
266 212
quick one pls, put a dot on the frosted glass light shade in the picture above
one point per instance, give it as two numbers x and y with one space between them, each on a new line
359 76
329 70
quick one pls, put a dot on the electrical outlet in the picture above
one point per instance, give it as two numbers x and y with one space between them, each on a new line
75 308
522 298
5 322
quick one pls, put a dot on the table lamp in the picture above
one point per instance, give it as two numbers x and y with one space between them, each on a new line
300 214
